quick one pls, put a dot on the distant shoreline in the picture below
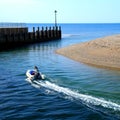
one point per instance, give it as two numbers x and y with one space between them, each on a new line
102 52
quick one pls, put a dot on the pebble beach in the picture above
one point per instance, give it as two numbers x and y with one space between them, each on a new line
103 52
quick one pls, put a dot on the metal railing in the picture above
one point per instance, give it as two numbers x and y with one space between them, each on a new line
12 25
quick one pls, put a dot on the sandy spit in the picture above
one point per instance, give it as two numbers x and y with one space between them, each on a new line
103 52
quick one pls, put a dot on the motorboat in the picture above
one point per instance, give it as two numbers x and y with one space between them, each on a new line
31 75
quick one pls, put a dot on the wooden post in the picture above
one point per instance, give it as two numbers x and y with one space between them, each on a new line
53 32
42 33
60 34
46 33
56 32
50 35
33 33
38 34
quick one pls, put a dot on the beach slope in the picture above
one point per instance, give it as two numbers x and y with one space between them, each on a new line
104 52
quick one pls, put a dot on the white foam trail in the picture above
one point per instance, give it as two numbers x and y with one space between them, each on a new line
85 98
34 85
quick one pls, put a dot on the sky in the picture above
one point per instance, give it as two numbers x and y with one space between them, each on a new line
68 11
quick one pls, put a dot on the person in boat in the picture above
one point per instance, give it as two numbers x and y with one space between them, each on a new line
37 73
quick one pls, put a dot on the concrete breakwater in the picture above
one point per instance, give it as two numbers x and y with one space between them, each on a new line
15 37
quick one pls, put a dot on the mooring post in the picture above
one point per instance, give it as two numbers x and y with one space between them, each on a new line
46 33
53 32
38 34
50 35
56 32
33 33
60 33
42 33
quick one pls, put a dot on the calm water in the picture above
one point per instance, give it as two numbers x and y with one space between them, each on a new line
71 90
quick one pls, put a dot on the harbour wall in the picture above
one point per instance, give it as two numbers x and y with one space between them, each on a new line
15 37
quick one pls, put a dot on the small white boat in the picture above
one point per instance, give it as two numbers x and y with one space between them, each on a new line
32 76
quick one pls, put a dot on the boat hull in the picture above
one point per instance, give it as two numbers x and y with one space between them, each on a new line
30 74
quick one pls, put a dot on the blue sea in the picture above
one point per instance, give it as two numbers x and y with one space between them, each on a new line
71 90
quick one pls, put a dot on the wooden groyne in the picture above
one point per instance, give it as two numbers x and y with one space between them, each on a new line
14 37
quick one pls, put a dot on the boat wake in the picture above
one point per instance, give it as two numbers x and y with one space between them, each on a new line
88 100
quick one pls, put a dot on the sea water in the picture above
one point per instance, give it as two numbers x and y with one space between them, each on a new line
72 90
